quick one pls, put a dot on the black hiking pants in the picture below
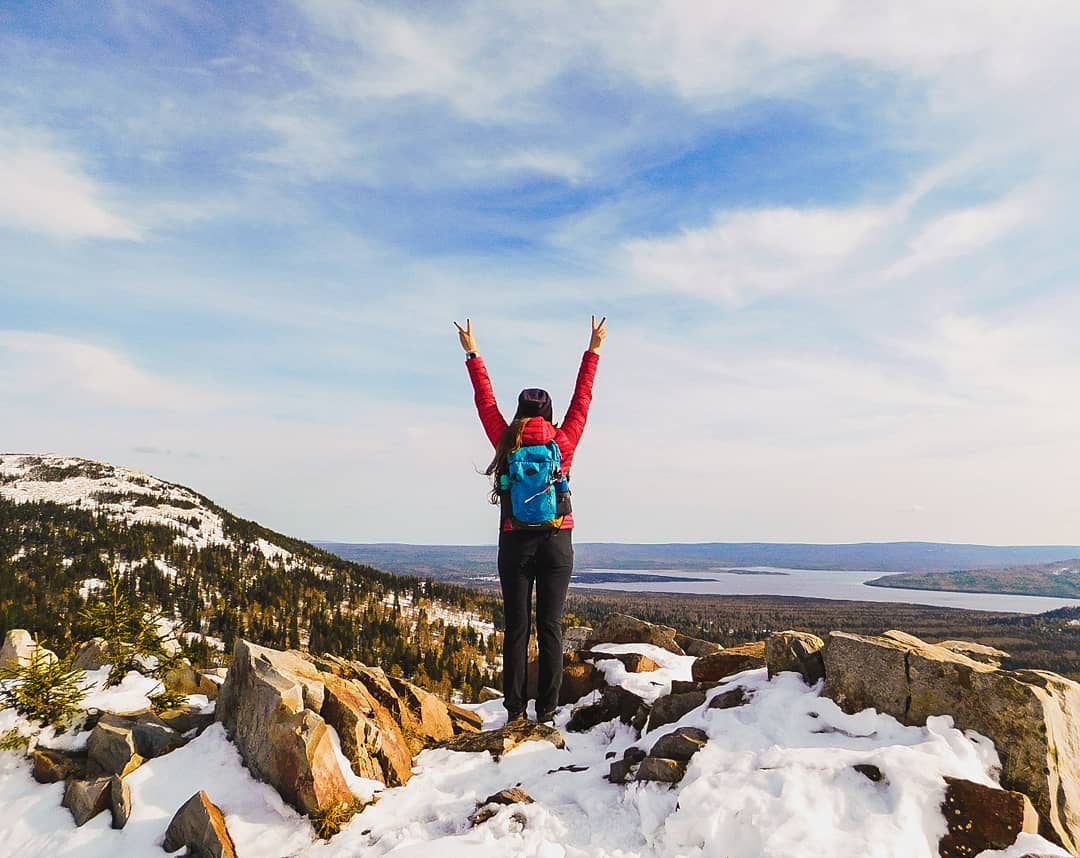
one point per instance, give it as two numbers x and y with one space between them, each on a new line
544 559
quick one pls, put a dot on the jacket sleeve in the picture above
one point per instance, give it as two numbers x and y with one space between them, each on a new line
486 407
578 412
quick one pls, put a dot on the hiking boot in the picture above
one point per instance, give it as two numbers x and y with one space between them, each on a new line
546 717
515 718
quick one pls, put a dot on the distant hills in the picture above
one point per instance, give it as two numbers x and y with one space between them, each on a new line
473 563
1061 578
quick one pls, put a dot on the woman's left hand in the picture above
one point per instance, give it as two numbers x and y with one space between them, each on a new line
599 332
468 341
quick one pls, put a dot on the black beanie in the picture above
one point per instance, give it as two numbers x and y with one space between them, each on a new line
533 402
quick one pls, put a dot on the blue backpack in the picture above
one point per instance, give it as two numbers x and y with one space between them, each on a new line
535 485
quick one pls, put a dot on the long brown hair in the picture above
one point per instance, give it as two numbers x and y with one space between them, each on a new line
508 442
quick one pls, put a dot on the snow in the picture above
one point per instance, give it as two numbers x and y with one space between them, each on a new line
774 781
91 585
131 695
651 684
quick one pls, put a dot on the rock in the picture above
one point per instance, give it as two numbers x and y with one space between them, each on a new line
92 655
1031 716
18 647
614 702
622 628
695 646
870 772
976 652
200 826
575 637
119 801
111 751
981 818
736 696
505 739
661 770
578 680
151 735
622 770
185 719
370 737
487 693
183 679
681 744
86 799
268 704
490 806
50 767
423 716
681 686
209 684
672 707
799 652
718 666
634 662
465 720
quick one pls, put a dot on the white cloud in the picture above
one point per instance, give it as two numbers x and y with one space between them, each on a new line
47 191
48 367
750 252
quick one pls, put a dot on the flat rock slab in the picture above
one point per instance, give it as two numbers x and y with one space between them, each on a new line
713 668
680 744
86 799
623 629
981 817
200 826
464 720
505 739
660 770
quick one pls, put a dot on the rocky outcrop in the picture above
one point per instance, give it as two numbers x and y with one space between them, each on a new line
624 629
575 638
680 744
980 818
93 654
86 799
50 767
269 704
18 648
720 665
1033 717
799 652
505 739
200 826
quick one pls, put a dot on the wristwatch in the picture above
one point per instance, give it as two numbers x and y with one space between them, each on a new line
471 355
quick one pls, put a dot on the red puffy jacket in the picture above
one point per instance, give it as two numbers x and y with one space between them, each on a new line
538 430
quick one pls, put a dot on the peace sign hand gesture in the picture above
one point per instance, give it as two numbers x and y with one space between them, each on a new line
599 332
468 341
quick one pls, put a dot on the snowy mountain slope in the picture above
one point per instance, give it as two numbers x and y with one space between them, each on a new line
775 780
66 523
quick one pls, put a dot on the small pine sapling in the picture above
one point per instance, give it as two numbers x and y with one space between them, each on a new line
42 688
133 636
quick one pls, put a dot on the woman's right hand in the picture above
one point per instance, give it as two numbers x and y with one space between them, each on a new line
468 341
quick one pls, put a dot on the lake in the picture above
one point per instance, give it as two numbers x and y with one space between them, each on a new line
813 583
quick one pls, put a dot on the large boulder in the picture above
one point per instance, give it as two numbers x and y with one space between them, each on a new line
200 826
370 737
424 717
981 818
578 679
1033 717
93 654
269 704
735 659
18 648
465 720
51 766
672 707
799 652
680 744
624 629
696 646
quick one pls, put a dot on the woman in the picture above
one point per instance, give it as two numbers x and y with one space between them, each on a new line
533 553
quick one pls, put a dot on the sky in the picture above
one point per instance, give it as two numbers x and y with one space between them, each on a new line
836 244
